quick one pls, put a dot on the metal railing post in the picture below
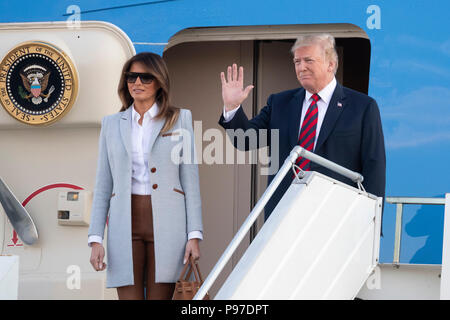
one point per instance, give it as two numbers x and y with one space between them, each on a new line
400 202
398 233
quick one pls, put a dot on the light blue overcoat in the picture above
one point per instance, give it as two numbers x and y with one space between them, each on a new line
174 214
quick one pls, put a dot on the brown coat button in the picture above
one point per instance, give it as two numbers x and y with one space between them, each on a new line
155 186
153 170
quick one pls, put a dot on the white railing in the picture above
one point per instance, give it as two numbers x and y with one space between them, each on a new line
254 214
400 202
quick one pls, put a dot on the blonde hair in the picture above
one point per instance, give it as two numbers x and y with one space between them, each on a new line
157 68
325 41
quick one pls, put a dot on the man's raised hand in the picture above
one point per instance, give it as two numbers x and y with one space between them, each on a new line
233 92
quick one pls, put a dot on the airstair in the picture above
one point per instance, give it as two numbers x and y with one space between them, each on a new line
320 242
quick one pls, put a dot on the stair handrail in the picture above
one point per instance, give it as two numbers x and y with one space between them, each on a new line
290 161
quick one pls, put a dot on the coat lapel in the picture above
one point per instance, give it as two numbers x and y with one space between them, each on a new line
156 129
335 108
125 130
294 113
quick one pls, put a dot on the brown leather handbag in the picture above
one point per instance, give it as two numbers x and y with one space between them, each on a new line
186 289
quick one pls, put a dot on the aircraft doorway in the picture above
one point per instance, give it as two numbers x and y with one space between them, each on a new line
195 58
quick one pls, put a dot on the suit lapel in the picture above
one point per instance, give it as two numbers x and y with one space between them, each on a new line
335 108
294 113
125 130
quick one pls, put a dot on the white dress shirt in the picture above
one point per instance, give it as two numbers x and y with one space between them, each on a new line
322 105
140 177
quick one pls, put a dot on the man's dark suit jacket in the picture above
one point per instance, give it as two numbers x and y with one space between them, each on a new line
351 136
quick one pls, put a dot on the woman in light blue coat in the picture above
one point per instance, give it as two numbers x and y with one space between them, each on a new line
147 187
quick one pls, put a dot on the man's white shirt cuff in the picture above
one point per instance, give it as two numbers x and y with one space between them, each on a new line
228 115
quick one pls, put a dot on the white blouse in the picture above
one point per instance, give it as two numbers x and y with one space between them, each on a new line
140 177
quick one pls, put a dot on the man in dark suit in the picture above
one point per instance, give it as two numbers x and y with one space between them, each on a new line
333 121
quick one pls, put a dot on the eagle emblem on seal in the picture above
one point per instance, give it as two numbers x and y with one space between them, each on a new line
35 80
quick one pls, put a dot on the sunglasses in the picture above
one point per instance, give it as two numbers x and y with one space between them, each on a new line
146 78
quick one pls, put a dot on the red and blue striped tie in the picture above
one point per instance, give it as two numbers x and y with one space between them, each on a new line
308 132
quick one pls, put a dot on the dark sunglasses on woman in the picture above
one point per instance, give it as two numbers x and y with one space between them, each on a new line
146 78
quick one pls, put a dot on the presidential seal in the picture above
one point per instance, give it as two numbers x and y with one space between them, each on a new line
38 83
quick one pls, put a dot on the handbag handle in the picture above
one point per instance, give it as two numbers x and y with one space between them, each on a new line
183 272
196 269
192 267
